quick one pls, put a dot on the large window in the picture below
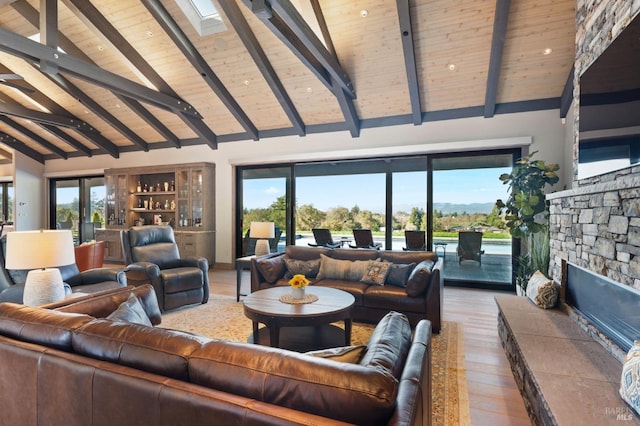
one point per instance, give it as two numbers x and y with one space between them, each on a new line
441 195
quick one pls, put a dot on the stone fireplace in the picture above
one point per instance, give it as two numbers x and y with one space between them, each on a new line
596 224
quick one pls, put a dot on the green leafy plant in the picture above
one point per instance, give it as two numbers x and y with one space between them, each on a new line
526 212
526 201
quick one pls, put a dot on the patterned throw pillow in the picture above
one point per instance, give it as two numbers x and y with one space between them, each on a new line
376 273
335 269
630 380
542 291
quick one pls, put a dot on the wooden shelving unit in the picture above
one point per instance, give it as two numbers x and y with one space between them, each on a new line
180 195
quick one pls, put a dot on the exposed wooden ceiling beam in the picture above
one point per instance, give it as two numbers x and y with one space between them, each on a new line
286 36
567 94
290 16
41 99
406 32
33 136
49 30
500 22
151 120
18 110
21 147
68 139
187 48
345 102
92 17
31 51
252 45
97 109
31 15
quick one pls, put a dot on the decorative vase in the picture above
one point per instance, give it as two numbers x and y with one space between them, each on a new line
297 292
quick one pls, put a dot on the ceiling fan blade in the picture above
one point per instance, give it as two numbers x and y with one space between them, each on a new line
17 86
11 77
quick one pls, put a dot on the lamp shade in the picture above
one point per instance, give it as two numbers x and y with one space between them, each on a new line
39 249
262 230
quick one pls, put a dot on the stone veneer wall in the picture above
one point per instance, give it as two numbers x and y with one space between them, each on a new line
596 224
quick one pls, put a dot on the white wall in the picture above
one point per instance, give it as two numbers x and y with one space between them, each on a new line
30 199
543 130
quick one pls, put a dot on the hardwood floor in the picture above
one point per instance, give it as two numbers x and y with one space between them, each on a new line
494 398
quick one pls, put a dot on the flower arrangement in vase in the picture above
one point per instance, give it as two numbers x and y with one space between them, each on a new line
298 283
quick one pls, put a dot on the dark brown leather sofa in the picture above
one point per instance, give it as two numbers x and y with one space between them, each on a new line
75 369
419 298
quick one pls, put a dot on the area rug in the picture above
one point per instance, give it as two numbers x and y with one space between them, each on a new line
223 318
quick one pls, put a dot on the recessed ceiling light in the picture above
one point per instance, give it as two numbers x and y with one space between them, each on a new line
247 82
149 33
364 13
547 51
101 48
309 90
451 67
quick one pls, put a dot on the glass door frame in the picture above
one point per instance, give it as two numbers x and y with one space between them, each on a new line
515 153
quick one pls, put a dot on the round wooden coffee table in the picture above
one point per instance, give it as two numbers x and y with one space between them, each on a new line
312 321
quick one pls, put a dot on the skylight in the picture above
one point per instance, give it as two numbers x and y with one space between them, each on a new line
205 8
203 15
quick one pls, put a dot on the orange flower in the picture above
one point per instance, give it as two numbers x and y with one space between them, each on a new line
299 281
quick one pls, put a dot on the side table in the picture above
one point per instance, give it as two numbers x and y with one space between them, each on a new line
242 264
442 246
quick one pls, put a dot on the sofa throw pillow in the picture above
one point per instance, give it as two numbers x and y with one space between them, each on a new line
308 268
420 278
272 268
376 273
130 310
630 379
399 274
336 269
542 291
350 354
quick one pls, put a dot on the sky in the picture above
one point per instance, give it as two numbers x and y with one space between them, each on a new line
367 191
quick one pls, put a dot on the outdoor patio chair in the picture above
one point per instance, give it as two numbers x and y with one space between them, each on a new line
323 238
364 239
470 246
414 241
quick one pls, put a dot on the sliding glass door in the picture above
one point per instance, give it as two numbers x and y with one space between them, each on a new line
263 198
78 204
465 226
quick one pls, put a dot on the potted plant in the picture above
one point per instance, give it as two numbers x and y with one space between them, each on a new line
526 213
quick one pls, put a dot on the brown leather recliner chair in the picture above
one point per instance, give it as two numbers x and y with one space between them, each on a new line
152 256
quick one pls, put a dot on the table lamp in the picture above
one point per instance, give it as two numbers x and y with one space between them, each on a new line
40 252
262 231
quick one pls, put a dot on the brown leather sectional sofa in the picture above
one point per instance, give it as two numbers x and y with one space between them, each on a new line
418 296
61 367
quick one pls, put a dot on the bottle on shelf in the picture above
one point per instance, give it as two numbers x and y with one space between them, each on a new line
139 187
166 204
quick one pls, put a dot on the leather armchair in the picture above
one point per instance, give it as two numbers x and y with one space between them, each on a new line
152 256
90 281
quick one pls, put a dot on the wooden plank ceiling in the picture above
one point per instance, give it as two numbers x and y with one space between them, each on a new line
136 75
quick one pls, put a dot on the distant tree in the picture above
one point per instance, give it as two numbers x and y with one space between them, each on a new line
339 219
495 218
309 217
416 218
